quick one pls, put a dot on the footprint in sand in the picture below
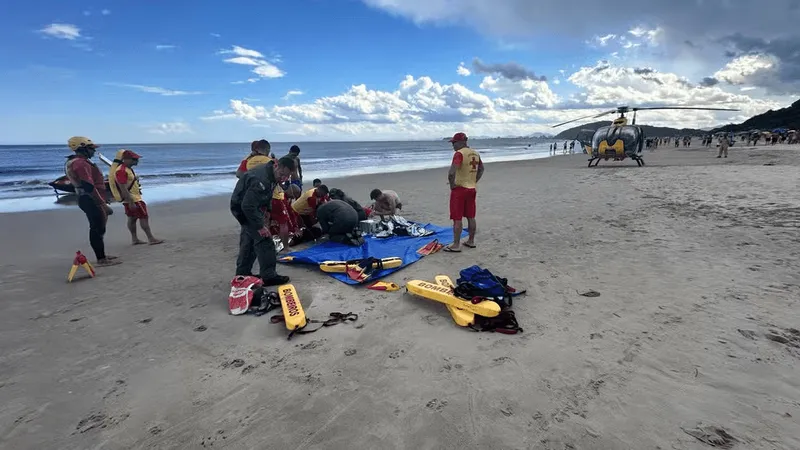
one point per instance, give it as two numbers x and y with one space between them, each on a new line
436 404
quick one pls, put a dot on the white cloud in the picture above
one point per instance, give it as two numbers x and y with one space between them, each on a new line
155 90
248 57
87 13
693 41
650 36
244 60
602 41
165 47
241 51
62 31
423 108
463 71
216 35
756 69
291 94
171 128
105 12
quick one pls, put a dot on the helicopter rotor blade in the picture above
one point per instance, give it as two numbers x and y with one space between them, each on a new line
684 107
592 116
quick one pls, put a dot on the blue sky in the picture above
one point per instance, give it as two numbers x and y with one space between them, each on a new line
182 71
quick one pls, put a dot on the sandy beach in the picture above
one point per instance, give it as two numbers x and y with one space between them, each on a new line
695 259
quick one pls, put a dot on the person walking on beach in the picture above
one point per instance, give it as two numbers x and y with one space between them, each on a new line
250 202
259 155
128 191
723 146
465 172
90 187
297 175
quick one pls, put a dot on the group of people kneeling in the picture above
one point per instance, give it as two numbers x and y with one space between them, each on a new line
269 200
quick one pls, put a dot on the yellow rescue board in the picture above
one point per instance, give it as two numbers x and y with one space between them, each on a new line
293 314
462 318
341 266
432 291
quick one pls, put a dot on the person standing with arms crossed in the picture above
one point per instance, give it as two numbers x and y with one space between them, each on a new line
90 187
465 172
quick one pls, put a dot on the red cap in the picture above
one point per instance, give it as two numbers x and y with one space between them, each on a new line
130 154
458 137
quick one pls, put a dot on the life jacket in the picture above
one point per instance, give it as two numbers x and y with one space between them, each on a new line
301 206
278 193
133 183
467 172
257 160
73 178
112 175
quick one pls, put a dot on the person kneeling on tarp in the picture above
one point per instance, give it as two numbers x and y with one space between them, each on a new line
251 200
306 205
339 220
338 194
387 202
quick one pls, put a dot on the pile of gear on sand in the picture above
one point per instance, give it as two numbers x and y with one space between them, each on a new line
479 300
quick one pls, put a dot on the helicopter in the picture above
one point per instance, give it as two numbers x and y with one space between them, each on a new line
620 140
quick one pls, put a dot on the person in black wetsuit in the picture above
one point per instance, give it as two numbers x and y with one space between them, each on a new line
338 194
250 203
338 220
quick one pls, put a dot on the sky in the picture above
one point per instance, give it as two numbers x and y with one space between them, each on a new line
317 70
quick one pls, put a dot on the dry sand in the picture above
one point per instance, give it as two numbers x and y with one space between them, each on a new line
695 258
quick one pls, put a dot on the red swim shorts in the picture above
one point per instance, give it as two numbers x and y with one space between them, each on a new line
137 210
462 203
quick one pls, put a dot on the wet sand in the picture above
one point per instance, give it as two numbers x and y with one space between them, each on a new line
695 259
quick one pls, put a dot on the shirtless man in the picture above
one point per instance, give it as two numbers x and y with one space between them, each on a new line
297 176
387 202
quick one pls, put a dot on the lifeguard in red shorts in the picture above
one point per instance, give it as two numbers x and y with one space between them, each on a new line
465 172
127 190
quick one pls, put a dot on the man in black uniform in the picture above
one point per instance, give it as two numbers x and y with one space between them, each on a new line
338 220
250 202
338 194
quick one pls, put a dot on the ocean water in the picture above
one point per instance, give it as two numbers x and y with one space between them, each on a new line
177 171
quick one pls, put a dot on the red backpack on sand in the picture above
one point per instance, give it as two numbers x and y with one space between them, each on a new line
242 293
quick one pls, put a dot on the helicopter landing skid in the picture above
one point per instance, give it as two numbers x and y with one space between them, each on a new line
593 162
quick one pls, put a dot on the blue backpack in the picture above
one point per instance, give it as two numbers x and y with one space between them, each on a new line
475 282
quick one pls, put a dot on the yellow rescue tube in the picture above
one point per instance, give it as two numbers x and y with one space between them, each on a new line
293 314
442 294
460 317
341 266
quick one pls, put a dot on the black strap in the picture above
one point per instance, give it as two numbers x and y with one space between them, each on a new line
505 322
335 318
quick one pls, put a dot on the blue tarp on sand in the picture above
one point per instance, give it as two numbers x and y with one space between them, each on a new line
404 247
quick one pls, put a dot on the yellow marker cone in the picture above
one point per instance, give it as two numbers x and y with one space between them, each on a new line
80 261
